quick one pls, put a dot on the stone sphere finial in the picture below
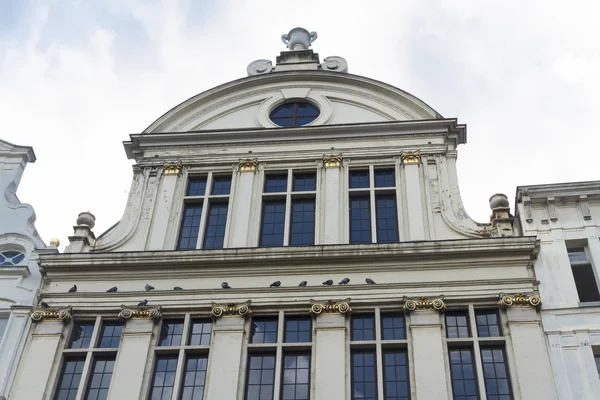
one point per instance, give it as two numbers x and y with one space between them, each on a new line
298 39
86 218
54 242
499 200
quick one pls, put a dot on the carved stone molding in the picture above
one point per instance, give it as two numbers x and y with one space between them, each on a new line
532 299
248 165
172 168
332 160
585 209
52 314
424 303
153 313
411 157
551 202
330 306
231 309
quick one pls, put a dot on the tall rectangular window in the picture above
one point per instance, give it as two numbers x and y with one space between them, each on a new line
195 377
295 380
462 372
364 375
395 375
261 377
495 372
3 325
205 209
164 377
288 209
583 273
373 209
101 376
70 378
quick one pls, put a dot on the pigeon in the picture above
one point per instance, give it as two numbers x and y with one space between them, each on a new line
344 281
370 281
148 287
177 288
225 285
44 304
142 303
112 289
73 289
275 284
328 282
302 284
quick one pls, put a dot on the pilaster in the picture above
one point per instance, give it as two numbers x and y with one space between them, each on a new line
411 160
331 217
242 202
164 204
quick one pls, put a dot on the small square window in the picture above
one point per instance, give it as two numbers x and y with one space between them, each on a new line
488 323
304 182
363 327
264 330
81 335
111 335
297 330
384 178
359 179
393 326
196 186
276 183
457 324
171 332
201 331
221 185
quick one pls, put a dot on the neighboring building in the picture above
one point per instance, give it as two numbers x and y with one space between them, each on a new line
566 219
303 236
19 271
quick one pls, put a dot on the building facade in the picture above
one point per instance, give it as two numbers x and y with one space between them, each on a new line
295 234
565 219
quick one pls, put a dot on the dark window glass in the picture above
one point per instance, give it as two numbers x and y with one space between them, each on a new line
294 114
190 226
364 381
457 324
215 227
261 376
101 375
304 182
10 258
195 377
273 218
393 326
387 222
164 377
81 335
360 219
276 183
196 186
462 371
495 373
297 329
488 323
221 185
597 359
70 377
363 327
171 332
577 255
264 330
201 331
583 273
384 178
296 372
359 179
302 232
395 375
111 335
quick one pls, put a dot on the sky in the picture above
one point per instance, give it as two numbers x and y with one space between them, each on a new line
78 76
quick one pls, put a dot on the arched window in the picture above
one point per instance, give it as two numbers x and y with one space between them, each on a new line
9 258
294 114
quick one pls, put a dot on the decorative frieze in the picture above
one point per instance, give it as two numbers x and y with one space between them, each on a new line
411 157
52 314
330 306
172 168
248 165
424 303
231 309
332 160
140 312
532 299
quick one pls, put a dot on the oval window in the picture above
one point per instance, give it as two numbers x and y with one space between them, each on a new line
294 114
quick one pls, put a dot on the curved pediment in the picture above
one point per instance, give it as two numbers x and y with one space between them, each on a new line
247 102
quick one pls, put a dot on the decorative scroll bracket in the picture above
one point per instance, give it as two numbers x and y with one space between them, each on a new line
52 314
153 313
532 299
424 303
231 310
330 306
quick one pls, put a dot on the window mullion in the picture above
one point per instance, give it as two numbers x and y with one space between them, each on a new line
379 355
204 217
279 355
179 373
83 383
288 209
372 204
477 353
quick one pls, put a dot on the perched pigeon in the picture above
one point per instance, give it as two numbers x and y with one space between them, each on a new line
344 281
44 304
142 303
370 281
275 284
73 289
148 287
112 289
302 284
328 282
177 288
225 285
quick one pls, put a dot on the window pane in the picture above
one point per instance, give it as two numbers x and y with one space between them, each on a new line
364 381
384 178
221 184
101 376
273 217
304 182
111 335
457 324
164 377
495 373
190 226
363 327
297 329
261 377
360 219
488 323
302 230
295 380
585 281
81 335
577 254
393 326
284 110
306 109
462 371
195 377
201 331
395 375
215 227
171 332
387 222
359 179
196 186
276 183
70 377
263 330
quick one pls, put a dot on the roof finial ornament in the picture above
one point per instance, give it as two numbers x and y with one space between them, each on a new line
298 39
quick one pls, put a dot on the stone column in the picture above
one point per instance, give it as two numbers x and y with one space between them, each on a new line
428 348
241 211
330 349
163 206
330 189
226 351
414 204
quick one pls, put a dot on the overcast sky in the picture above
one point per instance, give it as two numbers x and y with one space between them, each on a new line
77 77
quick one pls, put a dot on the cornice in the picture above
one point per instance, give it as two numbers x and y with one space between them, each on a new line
558 190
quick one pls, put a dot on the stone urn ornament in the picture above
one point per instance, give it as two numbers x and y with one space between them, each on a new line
298 39
499 200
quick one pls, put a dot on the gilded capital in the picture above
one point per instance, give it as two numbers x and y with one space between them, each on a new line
231 309
141 312
531 299
172 168
248 165
411 157
424 303
332 160
52 314
330 306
